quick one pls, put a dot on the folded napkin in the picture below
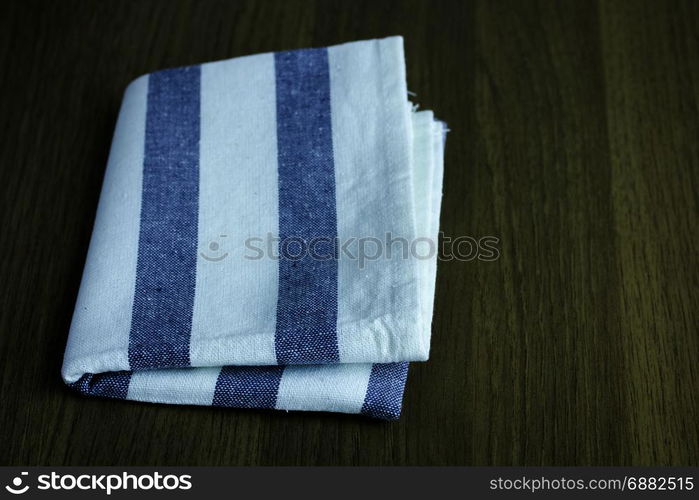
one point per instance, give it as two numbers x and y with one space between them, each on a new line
235 258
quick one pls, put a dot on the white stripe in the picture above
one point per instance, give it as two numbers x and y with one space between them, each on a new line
423 170
99 334
340 388
378 306
235 299
186 386
439 138
423 167
437 176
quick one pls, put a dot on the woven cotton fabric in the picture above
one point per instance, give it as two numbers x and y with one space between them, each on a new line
227 265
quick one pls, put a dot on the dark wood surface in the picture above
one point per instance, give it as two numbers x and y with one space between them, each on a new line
574 139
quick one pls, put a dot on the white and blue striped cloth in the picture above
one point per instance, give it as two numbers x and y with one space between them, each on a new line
308 145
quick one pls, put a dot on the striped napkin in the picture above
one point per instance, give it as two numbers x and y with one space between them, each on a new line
249 248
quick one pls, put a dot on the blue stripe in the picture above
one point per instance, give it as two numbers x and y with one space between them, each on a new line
306 329
166 266
384 395
108 385
248 386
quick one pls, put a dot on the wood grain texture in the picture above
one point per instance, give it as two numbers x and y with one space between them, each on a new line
574 139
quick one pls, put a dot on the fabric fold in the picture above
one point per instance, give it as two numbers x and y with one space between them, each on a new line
266 236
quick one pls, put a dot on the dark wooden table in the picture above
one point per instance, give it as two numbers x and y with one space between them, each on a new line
574 139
